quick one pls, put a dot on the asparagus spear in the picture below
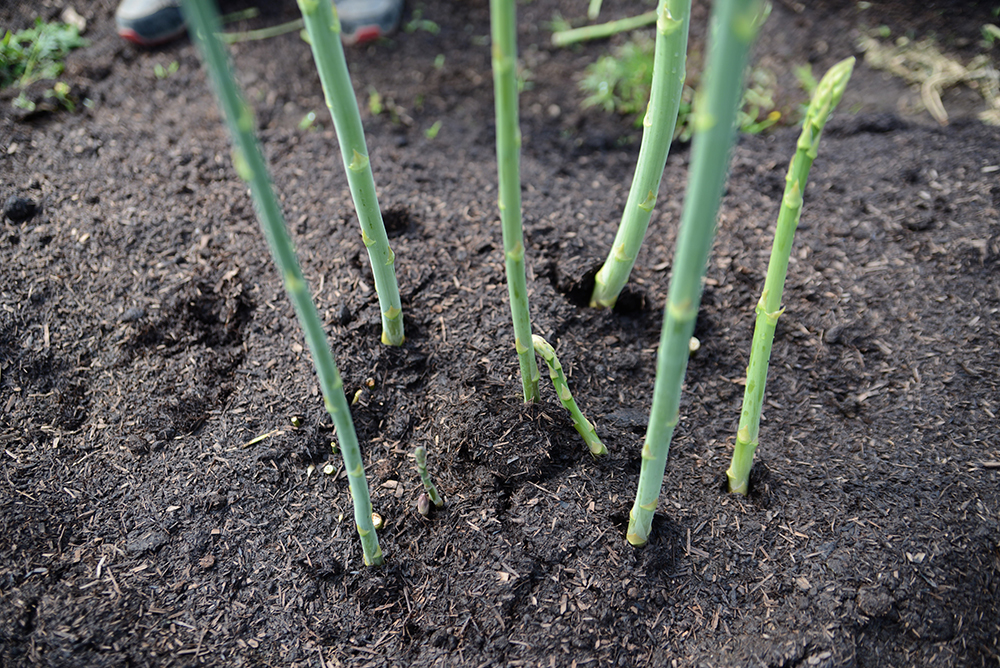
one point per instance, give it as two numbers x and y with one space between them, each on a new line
582 424
504 31
323 26
672 20
735 23
252 168
420 456
824 100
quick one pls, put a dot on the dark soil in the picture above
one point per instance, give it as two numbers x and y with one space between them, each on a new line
159 509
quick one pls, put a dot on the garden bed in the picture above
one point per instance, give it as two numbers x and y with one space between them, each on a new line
159 508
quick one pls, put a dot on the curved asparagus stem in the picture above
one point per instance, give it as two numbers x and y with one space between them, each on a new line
735 23
582 424
824 100
252 168
323 27
420 456
504 34
672 21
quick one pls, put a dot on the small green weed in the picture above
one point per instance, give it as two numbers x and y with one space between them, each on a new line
433 130
620 83
418 22
374 101
162 72
36 53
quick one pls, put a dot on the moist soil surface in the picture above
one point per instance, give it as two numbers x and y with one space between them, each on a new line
159 508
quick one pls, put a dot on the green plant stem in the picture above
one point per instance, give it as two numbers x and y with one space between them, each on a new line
420 456
323 27
735 23
600 31
252 168
824 100
582 424
504 33
261 33
673 19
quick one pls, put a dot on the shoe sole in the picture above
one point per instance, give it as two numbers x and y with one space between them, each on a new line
134 37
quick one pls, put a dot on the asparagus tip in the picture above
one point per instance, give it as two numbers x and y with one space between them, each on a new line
424 505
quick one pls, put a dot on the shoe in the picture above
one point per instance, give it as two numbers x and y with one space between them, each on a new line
149 22
153 22
366 20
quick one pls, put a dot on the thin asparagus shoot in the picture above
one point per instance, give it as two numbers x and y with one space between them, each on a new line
252 168
504 34
673 19
735 26
825 98
323 27
582 424
602 30
420 456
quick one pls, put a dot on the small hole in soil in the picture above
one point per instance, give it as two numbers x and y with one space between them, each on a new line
758 487
397 222
631 300
579 290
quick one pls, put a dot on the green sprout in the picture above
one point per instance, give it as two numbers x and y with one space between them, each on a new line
374 101
60 91
504 33
807 81
433 130
658 129
162 72
323 27
418 22
582 424
824 100
736 23
252 168
308 121
420 457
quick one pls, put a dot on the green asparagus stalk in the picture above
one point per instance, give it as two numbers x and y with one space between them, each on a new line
824 100
735 26
601 30
582 424
673 18
504 32
252 168
323 26
420 456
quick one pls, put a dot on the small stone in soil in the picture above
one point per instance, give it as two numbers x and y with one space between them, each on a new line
19 209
